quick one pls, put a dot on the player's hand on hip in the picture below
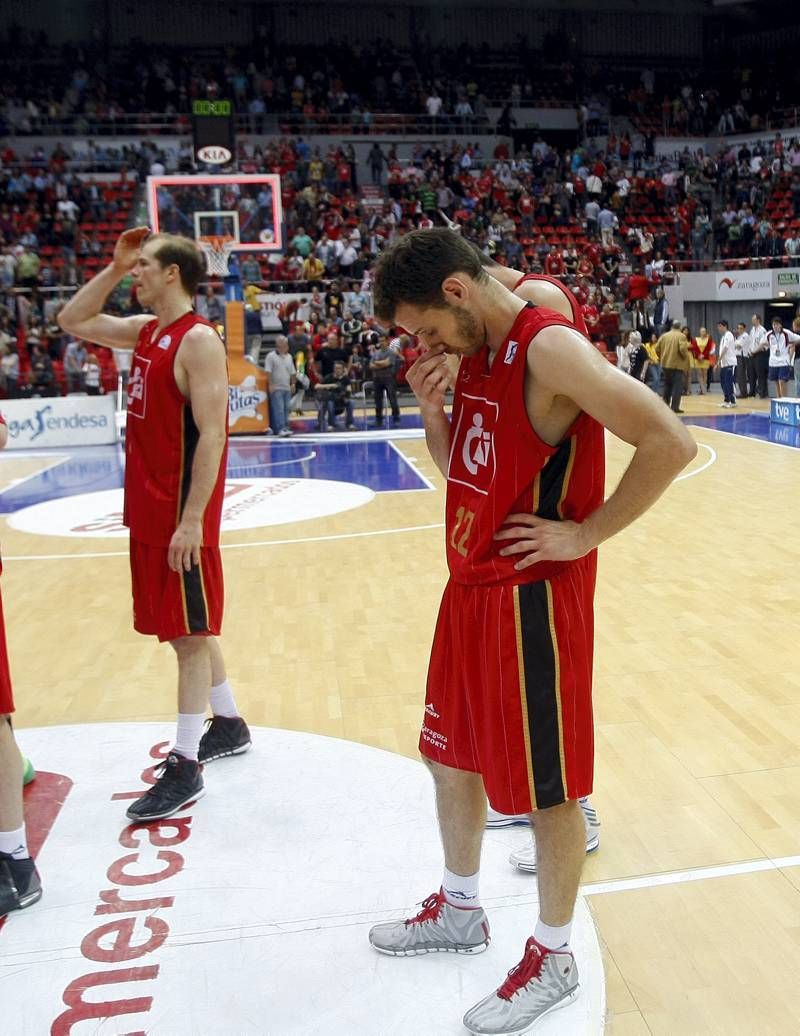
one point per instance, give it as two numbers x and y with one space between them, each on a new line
184 547
539 539
128 246
429 378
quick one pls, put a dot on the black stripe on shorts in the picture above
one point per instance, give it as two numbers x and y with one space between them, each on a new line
195 599
541 690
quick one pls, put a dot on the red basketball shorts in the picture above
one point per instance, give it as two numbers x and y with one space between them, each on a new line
509 691
6 695
169 604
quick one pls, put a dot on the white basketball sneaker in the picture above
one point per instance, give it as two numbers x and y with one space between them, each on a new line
543 981
438 928
525 858
495 819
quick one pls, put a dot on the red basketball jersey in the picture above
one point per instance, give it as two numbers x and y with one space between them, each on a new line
160 441
499 466
577 314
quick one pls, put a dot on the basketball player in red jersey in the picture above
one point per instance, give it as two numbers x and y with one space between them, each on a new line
175 455
508 708
20 886
541 290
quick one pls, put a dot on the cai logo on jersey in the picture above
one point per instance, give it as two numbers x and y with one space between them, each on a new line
472 453
137 387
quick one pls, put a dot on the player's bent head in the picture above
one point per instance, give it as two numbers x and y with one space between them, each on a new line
413 270
173 250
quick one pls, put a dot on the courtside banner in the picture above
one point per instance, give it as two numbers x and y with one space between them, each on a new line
61 421
744 284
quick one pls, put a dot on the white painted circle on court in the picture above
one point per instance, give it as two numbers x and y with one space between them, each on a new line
251 503
249 912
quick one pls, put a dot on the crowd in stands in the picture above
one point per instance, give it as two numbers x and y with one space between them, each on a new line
698 99
610 222
451 87
56 229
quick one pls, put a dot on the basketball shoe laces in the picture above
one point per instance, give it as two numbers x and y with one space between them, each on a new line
529 967
167 769
431 908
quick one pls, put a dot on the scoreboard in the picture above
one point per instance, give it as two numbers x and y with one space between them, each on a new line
213 132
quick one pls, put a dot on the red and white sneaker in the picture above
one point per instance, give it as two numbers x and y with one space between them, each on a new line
439 927
543 981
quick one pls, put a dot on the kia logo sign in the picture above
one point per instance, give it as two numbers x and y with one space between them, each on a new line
213 154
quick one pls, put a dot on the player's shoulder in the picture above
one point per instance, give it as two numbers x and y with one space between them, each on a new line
556 347
545 293
201 340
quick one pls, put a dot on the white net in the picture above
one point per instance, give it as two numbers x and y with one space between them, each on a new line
217 251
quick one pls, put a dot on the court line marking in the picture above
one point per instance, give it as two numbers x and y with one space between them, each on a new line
703 467
232 546
358 918
725 870
55 463
412 464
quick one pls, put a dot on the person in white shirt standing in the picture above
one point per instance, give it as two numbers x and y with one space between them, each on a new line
759 355
282 376
727 363
781 353
742 346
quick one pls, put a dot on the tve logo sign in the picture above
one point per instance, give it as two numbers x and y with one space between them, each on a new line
785 411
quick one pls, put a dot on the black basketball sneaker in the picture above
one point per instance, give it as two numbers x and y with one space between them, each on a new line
20 885
224 735
180 782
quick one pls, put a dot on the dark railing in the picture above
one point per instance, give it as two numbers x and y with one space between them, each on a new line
363 123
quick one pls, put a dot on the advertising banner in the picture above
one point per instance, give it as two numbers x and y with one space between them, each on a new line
60 421
744 284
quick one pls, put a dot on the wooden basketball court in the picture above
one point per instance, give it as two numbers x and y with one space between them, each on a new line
696 887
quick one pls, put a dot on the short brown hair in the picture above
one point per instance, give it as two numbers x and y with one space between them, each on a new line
174 250
412 270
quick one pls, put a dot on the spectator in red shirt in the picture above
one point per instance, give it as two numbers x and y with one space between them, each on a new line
343 176
585 266
525 207
592 317
554 263
638 287
594 253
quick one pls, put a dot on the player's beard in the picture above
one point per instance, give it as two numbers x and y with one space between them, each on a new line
471 338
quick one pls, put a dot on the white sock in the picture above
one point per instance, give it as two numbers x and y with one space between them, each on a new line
552 938
13 843
461 891
222 701
190 730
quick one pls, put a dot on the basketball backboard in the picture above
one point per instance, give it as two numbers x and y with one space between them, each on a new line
243 210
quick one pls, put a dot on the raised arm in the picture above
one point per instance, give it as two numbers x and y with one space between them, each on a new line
202 375
83 317
564 363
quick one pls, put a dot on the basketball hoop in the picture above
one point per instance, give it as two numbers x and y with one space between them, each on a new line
217 249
